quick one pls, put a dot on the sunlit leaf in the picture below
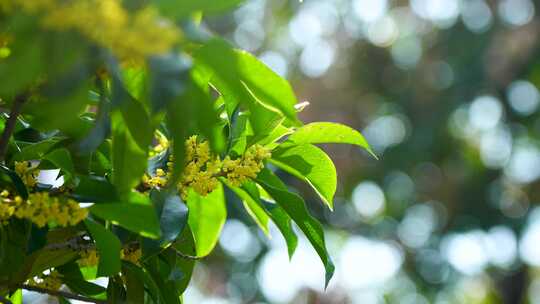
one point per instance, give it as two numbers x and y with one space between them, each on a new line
206 218
328 132
310 164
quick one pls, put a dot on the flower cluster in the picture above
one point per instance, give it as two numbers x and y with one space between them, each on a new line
131 254
162 144
51 281
203 168
88 258
238 171
108 23
40 208
27 172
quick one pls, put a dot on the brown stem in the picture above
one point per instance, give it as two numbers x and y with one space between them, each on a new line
60 293
186 256
10 123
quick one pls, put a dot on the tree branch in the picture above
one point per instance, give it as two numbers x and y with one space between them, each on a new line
60 293
16 108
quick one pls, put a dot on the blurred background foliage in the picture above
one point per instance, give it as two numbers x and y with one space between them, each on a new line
446 92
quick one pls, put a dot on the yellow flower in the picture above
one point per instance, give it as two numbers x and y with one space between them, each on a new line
41 209
27 173
107 23
202 168
89 258
131 254
162 144
238 171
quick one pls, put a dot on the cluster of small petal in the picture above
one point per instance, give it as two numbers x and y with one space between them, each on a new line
88 258
108 23
51 281
201 170
131 254
159 180
41 209
27 172
238 171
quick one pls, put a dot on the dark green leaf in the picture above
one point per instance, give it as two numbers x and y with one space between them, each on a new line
10 175
277 214
139 218
169 78
108 246
129 160
62 159
158 270
252 205
185 245
294 206
172 213
134 286
36 150
94 189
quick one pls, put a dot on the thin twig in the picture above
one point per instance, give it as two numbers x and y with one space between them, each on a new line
16 108
60 293
185 256
5 301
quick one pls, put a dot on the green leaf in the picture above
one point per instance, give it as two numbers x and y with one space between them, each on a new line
8 175
329 132
134 114
101 129
169 79
144 276
310 164
62 159
74 279
271 141
238 132
157 269
172 213
46 259
241 74
134 286
253 207
207 215
108 246
294 206
138 122
186 245
36 150
179 9
16 297
94 189
256 205
129 160
139 218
